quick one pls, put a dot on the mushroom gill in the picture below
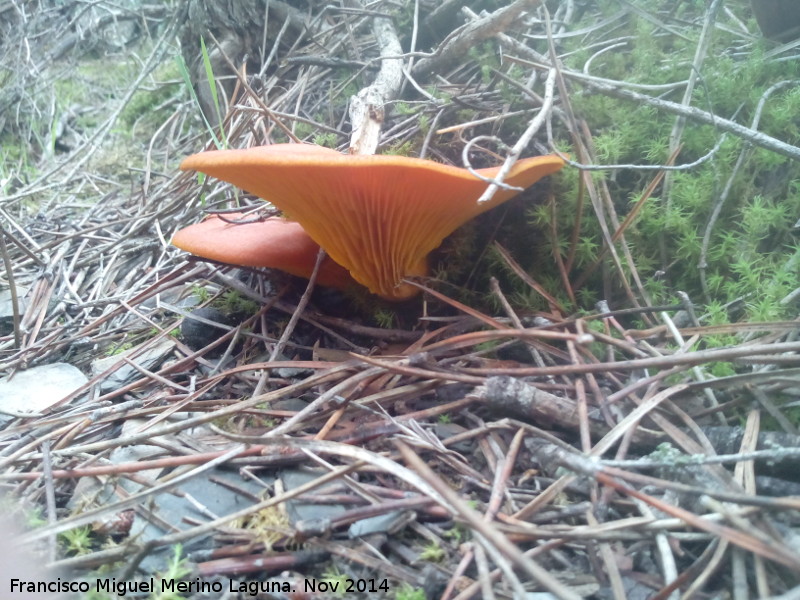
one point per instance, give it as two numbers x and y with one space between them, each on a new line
377 216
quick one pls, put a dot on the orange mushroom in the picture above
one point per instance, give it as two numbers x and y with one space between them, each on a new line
377 216
274 243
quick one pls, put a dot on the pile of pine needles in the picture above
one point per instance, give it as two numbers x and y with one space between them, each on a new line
580 452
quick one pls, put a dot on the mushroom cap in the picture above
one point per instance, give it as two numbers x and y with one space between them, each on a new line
273 242
377 216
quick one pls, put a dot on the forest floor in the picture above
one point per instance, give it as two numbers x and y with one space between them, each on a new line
595 395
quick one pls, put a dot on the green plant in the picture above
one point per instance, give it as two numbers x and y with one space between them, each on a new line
487 347
303 130
456 534
150 106
201 293
432 552
33 518
268 526
400 149
745 253
337 581
77 541
327 139
212 83
177 569
403 108
486 58
232 302
409 592
384 317
119 348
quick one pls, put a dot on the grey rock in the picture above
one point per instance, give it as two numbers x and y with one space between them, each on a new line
290 404
447 430
306 511
7 309
290 372
210 494
199 334
175 296
148 359
378 524
35 390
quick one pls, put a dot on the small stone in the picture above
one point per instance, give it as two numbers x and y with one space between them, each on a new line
197 334
289 404
448 430
34 390
175 296
389 523
148 359
7 309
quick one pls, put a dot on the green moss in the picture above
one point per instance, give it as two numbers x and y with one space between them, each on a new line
750 248
77 541
432 553
400 149
327 139
177 569
303 130
486 57
384 317
119 349
232 302
152 103
408 592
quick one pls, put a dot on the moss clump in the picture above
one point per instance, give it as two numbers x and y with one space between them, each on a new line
749 251
153 103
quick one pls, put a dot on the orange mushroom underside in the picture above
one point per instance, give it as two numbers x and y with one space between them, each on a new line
248 241
377 216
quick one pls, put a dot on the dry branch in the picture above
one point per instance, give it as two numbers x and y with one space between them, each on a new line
458 44
369 107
